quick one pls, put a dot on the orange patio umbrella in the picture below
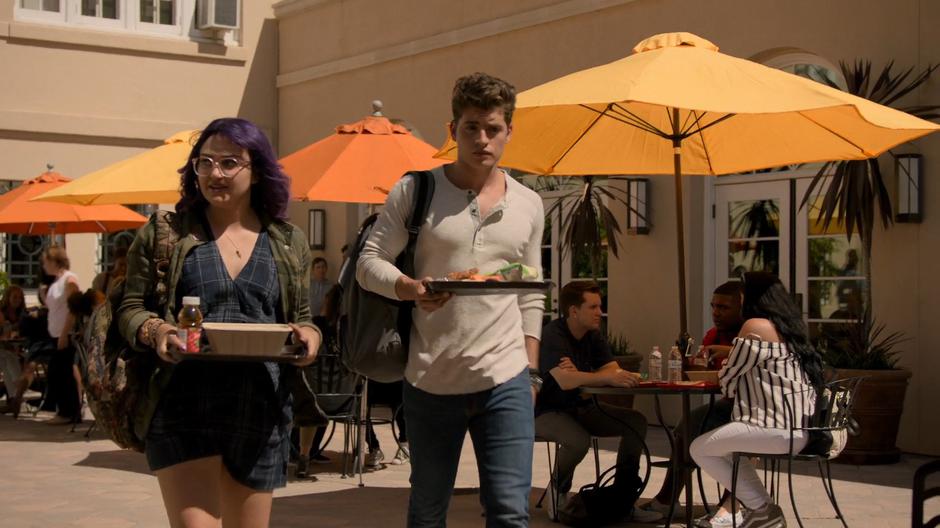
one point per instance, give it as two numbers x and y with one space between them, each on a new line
359 163
21 216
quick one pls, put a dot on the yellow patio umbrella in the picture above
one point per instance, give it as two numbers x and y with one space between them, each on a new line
148 177
678 106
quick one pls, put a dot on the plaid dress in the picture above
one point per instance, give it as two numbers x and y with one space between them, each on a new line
240 411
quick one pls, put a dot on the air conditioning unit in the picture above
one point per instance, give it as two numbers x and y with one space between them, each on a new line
218 14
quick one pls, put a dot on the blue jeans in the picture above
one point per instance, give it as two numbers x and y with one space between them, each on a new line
501 427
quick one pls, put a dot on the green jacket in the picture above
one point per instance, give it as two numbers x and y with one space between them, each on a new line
291 256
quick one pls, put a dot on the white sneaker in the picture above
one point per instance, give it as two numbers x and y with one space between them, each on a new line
722 519
402 455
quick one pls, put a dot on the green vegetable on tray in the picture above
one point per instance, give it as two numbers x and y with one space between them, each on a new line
517 272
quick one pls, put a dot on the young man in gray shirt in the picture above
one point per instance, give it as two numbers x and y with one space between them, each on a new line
470 356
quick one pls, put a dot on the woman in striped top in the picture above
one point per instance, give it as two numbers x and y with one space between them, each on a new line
772 374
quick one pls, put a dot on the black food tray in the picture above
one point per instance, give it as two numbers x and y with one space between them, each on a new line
488 287
288 354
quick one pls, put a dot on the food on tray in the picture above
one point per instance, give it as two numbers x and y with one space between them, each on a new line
518 272
512 272
472 274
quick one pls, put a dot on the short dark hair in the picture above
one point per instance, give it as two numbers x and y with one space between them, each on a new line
572 294
480 90
271 193
317 260
732 288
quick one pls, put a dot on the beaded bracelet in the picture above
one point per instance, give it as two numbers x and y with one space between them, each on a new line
150 331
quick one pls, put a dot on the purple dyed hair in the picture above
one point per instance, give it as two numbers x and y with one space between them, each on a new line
269 195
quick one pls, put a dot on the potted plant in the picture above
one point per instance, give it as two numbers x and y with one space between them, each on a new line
865 349
854 194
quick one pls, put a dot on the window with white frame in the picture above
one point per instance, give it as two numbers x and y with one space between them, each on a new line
52 6
164 17
100 9
161 12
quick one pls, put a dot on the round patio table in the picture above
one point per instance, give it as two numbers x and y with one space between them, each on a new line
683 459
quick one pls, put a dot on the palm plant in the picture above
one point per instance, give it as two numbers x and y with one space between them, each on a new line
856 193
759 219
587 222
863 344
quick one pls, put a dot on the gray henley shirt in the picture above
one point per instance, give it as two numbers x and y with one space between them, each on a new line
474 342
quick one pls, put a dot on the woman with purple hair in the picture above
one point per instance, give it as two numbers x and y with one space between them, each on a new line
217 434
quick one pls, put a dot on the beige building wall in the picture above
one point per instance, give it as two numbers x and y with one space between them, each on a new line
336 56
82 96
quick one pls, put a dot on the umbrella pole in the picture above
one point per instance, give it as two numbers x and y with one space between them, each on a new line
680 226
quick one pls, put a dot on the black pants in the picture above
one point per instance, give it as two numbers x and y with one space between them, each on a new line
573 430
385 394
62 387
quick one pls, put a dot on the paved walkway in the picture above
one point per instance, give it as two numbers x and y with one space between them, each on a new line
52 478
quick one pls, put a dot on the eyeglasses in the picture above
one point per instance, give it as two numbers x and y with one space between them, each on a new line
229 167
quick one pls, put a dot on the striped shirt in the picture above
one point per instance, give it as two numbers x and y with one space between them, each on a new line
760 376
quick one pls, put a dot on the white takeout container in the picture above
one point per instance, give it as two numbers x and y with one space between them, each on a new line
246 339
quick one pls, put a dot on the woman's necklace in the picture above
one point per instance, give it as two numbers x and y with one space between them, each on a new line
238 252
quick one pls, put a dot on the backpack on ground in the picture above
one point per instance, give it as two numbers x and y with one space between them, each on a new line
602 502
116 377
374 330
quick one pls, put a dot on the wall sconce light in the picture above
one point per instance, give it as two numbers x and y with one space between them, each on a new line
908 170
638 199
317 229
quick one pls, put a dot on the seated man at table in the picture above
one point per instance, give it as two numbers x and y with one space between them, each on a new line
574 353
726 315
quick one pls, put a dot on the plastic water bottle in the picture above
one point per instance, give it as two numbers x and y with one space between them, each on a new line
655 365
675 365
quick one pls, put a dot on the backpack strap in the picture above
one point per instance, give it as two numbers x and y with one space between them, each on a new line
424 192
166 235
422 203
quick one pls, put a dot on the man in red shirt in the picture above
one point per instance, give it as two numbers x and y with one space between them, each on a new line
726 315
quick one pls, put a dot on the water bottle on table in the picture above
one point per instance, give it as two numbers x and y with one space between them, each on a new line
675 365
655 365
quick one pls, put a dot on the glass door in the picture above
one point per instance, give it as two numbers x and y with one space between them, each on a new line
830 272
752 229
753 226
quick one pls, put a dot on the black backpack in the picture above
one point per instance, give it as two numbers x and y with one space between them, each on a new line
374 330
602 502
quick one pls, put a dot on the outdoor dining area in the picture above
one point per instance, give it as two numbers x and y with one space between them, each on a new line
675 109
